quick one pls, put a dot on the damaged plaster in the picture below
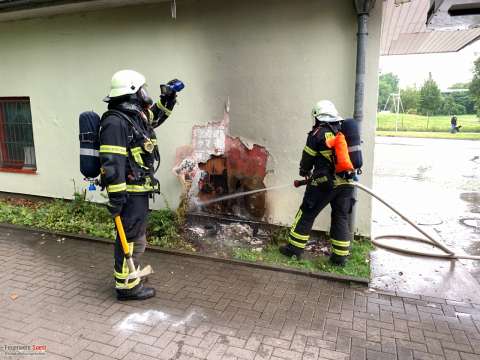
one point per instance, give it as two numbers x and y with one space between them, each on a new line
217 164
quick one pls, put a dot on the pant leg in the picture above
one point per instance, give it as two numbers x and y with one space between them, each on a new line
134 218
314 201
340 233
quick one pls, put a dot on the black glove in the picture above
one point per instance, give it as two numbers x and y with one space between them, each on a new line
304 173
115 205
167 92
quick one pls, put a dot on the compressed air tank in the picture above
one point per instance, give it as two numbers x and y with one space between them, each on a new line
351 130
89 124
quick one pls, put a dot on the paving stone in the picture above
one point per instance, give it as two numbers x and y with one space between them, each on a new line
244 313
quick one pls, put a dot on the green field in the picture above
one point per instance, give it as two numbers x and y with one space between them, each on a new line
431 135
408 122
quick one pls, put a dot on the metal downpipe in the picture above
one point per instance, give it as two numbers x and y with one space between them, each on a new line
358 107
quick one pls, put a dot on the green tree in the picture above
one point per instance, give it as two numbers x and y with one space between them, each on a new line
475 85
387 84
451 107
430 97
410 99
460 86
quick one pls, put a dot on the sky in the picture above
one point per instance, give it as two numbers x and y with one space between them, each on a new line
447 68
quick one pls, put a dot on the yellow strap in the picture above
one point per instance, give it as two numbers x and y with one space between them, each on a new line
116 188
297 244
136 150
340 243
299 236
113 149
137 156
163 108
154 141
340 252
310 151
151 116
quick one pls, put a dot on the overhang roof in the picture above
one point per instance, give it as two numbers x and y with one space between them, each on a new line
26 9
404 31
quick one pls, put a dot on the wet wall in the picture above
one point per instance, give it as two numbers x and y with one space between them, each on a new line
273 59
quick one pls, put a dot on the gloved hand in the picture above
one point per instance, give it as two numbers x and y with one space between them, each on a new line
304 173
167 91
115 205
115 209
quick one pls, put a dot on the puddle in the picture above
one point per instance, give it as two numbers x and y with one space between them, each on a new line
473 201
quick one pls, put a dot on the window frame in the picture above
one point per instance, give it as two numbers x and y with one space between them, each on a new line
3 147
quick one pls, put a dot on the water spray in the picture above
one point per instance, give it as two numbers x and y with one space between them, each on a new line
240 194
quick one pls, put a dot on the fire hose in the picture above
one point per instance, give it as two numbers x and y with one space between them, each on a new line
448 253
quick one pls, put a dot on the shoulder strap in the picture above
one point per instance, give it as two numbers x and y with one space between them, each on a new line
125 117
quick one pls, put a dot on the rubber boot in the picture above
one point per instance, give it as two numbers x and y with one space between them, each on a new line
289 250
338 260
139 292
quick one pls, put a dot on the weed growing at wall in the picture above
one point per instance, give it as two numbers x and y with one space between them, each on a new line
358 264
83 217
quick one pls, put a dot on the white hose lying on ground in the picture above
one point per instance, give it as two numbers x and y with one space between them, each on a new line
449 254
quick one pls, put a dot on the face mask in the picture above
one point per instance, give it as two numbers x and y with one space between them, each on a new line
144 97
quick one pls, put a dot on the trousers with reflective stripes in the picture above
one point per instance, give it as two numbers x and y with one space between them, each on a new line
314 201
134 218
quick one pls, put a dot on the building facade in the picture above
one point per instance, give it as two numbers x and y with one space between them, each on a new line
271 60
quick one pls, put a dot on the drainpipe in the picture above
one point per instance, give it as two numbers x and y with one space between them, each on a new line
362 8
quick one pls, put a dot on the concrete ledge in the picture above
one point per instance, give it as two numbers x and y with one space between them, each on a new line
318 275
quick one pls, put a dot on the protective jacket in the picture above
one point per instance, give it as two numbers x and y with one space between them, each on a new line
128 148
320 158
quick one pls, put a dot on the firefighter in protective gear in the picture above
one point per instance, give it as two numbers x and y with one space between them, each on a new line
325 187
128 156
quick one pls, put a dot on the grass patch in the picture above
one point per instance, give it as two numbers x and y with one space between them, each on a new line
430 135
358 264
410 122
164 229
79 216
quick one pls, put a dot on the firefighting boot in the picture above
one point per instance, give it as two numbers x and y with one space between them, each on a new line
139 292
338 260
289 250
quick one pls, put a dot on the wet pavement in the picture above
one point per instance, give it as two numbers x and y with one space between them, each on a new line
436 183
57 294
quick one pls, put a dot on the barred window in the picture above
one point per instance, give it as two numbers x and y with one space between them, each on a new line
17 151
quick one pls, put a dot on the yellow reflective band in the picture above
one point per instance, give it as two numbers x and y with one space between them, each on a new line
120 276
163 108
299 236
341 181
113 149
296 220
297 244
340 243
154 141
151 116
130 285
340 252
310 151
319 181
139 188
117 187
125 272
327 154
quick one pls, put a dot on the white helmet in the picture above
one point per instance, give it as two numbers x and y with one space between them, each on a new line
125 82
325 111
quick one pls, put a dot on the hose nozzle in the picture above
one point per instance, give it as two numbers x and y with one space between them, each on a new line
298 183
